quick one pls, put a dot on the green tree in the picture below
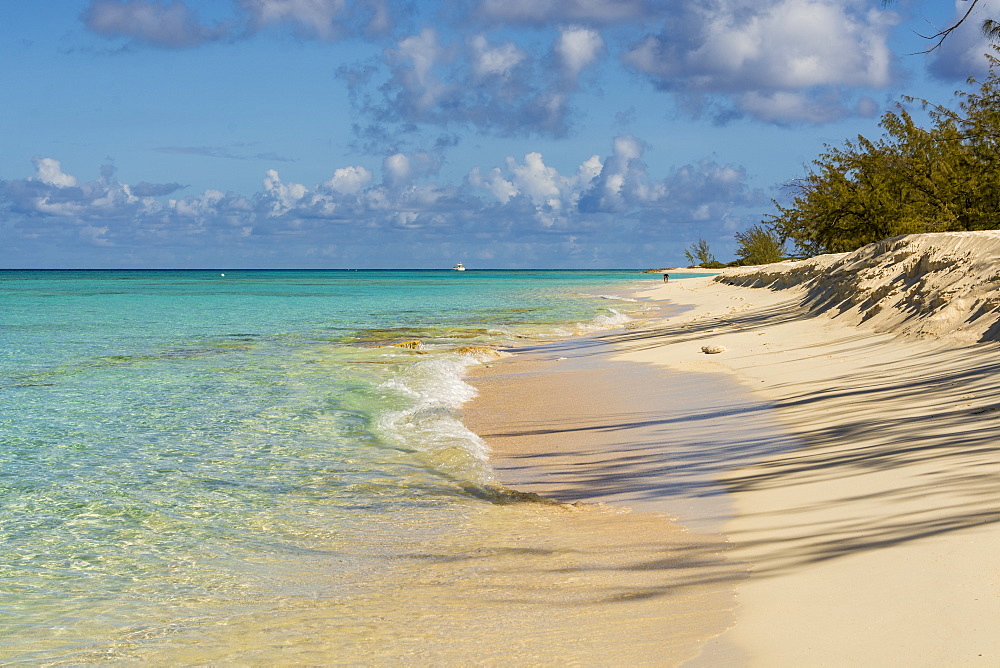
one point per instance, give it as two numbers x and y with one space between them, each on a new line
943 177
698 253
759 245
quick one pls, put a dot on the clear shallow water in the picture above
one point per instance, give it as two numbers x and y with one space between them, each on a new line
197 467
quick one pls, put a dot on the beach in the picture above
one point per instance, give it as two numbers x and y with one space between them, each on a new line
844 443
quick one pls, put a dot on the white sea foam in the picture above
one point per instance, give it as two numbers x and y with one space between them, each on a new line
435 389
605 321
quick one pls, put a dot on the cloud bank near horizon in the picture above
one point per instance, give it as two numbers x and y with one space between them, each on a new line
495 214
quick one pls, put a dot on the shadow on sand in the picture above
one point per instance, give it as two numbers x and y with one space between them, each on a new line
915 431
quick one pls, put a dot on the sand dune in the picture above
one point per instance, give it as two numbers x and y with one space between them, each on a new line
942 285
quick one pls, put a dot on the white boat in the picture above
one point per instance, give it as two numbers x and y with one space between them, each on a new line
458 267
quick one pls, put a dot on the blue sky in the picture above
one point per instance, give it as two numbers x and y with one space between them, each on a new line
375 133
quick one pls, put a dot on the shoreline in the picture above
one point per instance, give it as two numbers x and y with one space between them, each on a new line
571 421
564 421
871 530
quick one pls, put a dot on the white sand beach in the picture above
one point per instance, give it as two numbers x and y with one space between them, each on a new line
853 421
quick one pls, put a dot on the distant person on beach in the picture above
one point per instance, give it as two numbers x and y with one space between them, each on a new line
666 277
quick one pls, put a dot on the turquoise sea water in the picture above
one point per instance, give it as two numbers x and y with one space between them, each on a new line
199 467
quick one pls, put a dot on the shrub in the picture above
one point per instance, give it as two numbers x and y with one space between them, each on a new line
759 245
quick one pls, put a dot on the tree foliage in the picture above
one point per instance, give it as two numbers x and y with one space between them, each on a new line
699 253
945 177
759 245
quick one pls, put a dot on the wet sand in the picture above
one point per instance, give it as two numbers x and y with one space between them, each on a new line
571 422
568 422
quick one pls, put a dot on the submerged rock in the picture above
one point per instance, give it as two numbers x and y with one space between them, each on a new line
412 345
478 351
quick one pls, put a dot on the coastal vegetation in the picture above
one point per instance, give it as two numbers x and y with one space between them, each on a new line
699 254
940 178
759 245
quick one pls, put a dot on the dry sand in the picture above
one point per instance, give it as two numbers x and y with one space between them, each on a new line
860 454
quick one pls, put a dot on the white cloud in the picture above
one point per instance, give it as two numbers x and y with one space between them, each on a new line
502 189
171 25
789 107
418 55
316 17
628 148
494 87
622 180
281 198
497 61
521 204
588 170
578 48
777 53
536 179
196 207
705 191
50 171
396 170
349 180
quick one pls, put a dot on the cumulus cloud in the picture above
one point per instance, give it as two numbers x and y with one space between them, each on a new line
779 61
281 198
414 62
53 193
493 86
621 180
401 170
618 184
516 204
578 48
323 19
494 181
317 17
349 180
775 60
174 24
494 60
49 171
164 24
817 106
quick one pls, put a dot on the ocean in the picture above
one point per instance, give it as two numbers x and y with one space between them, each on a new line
270 466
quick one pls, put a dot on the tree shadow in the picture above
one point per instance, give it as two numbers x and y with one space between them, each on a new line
911 437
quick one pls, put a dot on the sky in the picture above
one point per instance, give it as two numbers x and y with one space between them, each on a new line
351 134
